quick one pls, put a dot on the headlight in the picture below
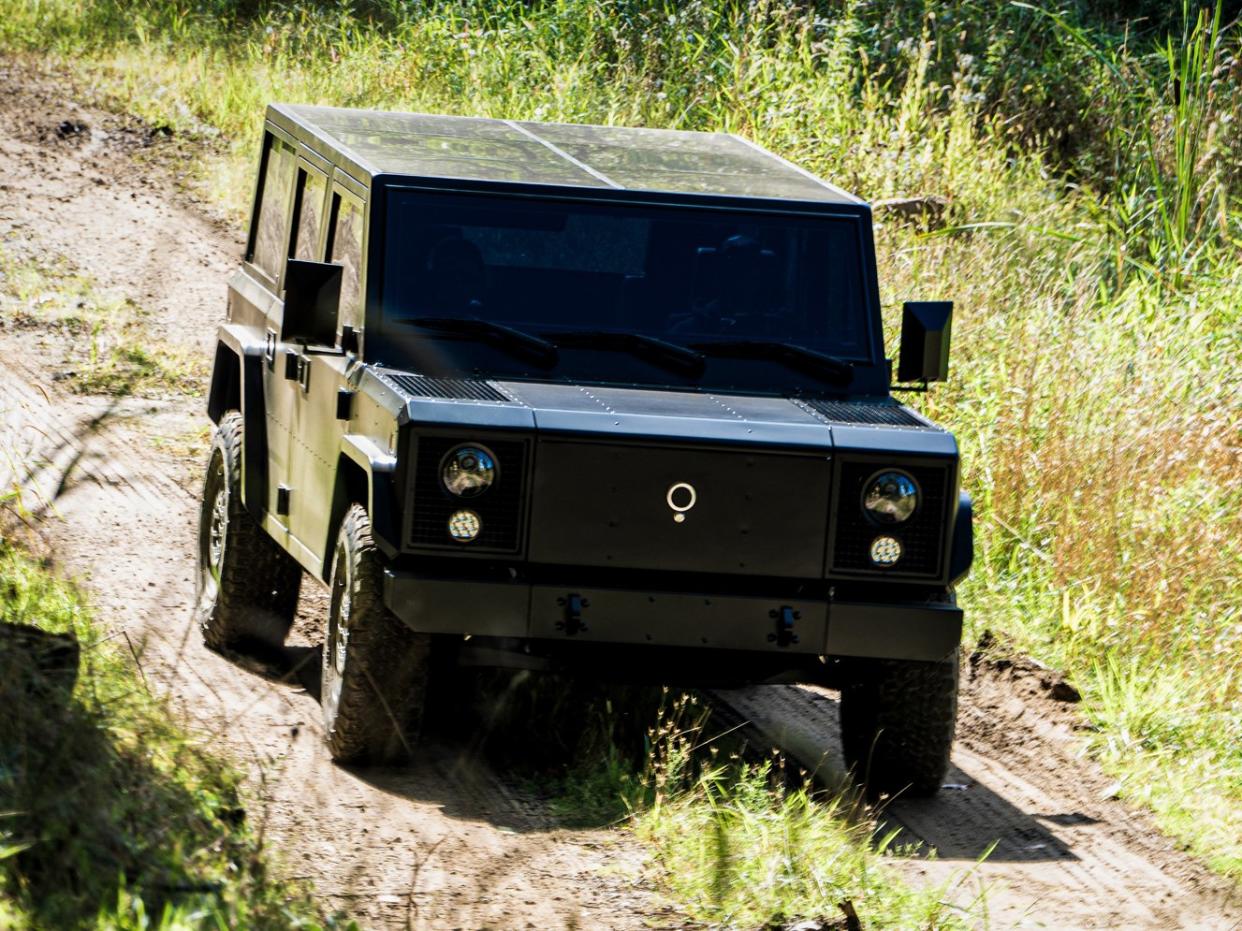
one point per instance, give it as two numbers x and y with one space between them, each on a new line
890 497
468 471
464 526
885 551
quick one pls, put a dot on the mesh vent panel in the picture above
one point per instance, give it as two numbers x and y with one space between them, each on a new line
890 415
452 389
499 508
921 536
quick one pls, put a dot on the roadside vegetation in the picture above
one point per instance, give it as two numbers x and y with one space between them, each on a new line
1091 238
739 839
112 815
745 843
112 353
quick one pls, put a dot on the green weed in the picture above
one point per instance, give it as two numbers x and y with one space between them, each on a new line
110 348
747 845
114 817
739 843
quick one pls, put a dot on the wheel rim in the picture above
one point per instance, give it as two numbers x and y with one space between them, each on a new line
213 534
217 531
336 643
341 643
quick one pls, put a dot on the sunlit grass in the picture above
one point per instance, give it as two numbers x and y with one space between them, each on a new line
110 347
113 815
739 840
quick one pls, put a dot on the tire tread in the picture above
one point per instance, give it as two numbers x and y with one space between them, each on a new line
259 582
384 683
898 719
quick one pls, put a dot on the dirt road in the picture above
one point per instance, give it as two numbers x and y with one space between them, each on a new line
446 842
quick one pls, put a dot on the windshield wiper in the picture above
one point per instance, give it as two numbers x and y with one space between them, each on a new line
820 364
650 348
519 342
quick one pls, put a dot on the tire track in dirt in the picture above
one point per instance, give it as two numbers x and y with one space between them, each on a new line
1060 853
442 843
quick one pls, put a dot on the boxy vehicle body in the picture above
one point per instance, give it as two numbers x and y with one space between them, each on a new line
578 397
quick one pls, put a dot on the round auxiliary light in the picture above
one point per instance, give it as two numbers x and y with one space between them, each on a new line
890 497
885 551
464 526
468 471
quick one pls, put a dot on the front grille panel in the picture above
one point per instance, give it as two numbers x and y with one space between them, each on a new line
889 415
450 389
922 536
499 508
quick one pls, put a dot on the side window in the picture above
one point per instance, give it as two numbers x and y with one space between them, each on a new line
272 225
310 194
345 249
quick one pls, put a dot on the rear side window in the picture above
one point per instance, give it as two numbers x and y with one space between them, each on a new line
312 187
345 249
271 237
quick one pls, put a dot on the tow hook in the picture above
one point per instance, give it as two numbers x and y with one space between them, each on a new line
784 617
573 622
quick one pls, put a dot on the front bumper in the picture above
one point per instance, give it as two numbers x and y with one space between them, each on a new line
595 615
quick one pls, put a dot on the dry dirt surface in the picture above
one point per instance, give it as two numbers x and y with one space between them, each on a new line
448 842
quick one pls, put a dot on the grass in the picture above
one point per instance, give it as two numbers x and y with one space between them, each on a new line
114 816
111 351
1093 248
739 842
745 844
740 849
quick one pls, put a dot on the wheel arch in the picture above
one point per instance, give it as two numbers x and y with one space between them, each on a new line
364 475
225 393
237 384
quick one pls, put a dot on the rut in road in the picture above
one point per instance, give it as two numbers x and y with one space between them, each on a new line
446 842
1060 852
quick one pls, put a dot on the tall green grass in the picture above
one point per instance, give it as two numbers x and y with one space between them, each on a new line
749 845
112 816
1093 251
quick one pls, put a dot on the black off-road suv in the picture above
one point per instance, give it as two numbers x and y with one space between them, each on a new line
578 397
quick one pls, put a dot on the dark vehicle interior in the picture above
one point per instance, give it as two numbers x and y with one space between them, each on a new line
683 278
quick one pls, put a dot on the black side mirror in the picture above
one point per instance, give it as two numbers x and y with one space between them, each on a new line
312 299
925 329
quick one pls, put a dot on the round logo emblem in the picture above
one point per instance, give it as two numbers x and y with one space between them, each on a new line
681 497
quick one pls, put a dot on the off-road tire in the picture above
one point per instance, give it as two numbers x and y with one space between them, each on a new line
897 723
375 669
247 585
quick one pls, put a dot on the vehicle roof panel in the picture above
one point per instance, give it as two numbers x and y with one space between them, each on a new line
611 157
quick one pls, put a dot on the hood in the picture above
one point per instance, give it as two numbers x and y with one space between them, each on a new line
549 408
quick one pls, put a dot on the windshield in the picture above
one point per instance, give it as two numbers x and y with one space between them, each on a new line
576 274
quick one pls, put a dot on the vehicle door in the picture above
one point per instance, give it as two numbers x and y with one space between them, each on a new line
318 423
255 299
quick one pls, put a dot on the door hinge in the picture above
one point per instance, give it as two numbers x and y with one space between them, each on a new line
297 368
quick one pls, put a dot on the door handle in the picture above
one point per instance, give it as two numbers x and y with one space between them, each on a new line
297 368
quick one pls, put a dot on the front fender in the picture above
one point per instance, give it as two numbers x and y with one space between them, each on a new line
962 551
378 465
237 381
